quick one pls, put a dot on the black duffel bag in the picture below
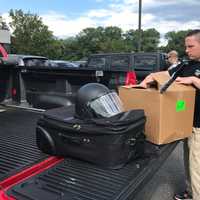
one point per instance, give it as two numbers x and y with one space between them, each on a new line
108 142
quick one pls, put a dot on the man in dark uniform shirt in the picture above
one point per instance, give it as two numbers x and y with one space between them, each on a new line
191 70
190 75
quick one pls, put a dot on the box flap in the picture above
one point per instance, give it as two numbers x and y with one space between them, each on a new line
133 86
159 77
162 77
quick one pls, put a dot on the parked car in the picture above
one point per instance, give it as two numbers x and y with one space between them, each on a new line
43 82
62 63
141 63
26 60
80 63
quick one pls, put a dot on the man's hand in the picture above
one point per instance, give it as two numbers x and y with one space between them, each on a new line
149 79
185 80
190 80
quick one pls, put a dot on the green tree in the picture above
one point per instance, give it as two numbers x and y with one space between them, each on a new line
88 40
112 40
71 49
149 42
131 38
109 39
30 35
176 41
98 40
56 49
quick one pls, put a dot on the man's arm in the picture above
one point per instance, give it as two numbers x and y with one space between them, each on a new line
149 79
191 80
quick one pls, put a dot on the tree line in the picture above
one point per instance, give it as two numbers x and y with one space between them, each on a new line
31 36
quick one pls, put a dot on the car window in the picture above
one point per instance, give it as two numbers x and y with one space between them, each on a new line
120 62
36 62
98 62
143 62
63 63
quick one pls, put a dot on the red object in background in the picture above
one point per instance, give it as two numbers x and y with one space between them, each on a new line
3 52
130 78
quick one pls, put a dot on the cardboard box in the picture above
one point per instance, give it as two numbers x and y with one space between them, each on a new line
169 115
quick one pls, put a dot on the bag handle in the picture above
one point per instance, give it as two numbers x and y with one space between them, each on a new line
75 140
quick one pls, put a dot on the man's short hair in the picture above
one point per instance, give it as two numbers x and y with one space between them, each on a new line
173 52
195 32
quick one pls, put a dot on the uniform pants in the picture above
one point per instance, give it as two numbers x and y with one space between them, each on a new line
192 163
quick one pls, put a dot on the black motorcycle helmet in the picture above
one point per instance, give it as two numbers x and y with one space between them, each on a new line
95 100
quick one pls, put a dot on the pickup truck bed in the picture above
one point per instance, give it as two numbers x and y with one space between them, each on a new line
18 148
76 180
69 178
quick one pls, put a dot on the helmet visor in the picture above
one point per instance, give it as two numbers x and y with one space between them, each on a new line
107 105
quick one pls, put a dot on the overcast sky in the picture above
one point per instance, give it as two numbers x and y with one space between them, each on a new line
68 17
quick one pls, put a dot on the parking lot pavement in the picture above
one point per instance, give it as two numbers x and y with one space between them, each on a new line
168 180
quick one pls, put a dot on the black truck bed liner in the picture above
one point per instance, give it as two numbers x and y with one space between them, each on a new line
77 180
69 179
18 148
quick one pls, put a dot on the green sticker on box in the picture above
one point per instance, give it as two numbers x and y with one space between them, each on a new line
180 105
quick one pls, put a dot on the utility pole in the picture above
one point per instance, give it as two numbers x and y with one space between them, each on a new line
139 26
